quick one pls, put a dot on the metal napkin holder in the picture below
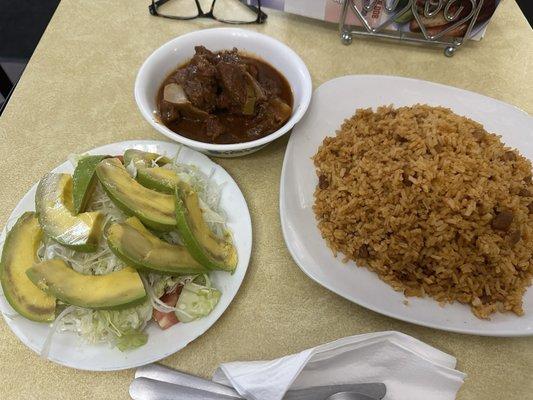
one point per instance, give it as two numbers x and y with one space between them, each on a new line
430 10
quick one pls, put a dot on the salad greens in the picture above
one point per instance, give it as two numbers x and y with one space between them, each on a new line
110 326
196 301
193 295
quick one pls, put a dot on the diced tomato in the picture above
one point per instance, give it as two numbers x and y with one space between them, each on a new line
166 320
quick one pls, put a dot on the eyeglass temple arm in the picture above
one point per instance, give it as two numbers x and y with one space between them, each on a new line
159 3
261 16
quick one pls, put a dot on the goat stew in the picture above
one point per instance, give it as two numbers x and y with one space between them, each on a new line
224 97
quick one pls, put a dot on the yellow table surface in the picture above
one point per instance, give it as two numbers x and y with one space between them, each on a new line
77 93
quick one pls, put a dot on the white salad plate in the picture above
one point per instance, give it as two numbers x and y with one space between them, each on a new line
70 350
331 104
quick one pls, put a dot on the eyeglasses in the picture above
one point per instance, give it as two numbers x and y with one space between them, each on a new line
227 11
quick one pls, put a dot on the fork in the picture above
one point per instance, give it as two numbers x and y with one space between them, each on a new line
349 396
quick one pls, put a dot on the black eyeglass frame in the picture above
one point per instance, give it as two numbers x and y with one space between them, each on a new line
261 16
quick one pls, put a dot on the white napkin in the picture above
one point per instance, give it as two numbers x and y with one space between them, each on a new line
411 369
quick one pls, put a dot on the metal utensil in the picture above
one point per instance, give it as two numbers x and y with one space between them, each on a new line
150 389
374 391
349 396
156 372
164 374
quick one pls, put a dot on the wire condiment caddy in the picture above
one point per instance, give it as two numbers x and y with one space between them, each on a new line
460 21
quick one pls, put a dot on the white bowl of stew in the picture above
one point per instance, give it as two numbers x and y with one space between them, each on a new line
228 130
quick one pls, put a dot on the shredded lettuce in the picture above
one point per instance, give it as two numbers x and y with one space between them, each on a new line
196 301
211 216
156 285
154 298
45 350
203 184
100 201
122 328
100 262
162 284
209 194
131 340
135 164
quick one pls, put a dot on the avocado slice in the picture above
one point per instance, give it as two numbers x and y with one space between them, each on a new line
83 182
119 289
208 249
159 179
19 254
53 202
141 158
154 209
137 246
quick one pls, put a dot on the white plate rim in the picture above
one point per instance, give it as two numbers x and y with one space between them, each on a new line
244 259
304 268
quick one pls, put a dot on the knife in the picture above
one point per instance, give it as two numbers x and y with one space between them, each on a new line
159 373
150 389
163 374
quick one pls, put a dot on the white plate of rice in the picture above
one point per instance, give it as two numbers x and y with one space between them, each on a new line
71 350
333 103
